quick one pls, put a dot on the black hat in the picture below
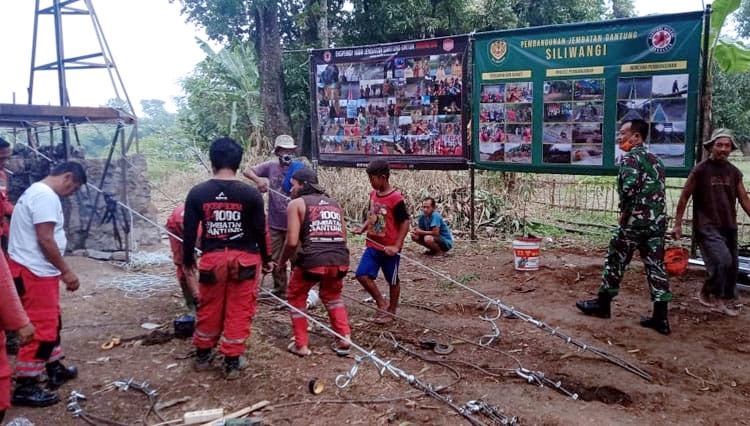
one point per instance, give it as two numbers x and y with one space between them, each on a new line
307 176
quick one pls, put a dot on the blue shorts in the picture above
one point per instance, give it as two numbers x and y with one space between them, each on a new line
373 260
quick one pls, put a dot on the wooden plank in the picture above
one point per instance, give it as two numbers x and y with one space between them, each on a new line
19 115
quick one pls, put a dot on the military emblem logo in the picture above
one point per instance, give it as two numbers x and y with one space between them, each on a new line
498 49
661 39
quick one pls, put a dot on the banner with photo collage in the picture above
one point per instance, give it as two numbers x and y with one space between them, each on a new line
551 99
398 101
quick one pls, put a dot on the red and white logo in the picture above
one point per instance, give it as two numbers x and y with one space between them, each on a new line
327 56
661 39
448 44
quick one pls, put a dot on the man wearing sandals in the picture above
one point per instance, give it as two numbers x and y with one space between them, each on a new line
716 186
316 232
386 226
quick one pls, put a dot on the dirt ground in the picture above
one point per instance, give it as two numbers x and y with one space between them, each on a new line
700 372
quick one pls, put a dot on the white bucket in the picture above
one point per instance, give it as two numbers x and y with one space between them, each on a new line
526 253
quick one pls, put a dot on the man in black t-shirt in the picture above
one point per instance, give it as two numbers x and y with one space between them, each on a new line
233 242
716 186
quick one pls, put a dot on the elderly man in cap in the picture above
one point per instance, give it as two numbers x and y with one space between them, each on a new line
317 242
716 186
276 175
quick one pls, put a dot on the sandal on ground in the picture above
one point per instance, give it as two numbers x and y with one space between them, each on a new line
383 319
300 353
340 350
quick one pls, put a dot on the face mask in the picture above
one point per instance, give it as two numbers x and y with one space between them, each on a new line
626 145
286 158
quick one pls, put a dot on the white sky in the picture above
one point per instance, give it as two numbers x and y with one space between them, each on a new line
150 42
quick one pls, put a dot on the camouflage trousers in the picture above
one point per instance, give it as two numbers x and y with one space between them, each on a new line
650 245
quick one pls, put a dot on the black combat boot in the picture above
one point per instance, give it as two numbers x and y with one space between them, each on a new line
232 366
30 394
599 307
658 321
203 359
57 374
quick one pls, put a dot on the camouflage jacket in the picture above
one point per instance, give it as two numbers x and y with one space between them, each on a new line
640 182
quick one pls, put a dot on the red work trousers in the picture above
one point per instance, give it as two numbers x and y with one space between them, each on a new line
40 297
331 283
228 298
4 375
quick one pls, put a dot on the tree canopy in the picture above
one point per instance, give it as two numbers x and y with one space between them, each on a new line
272 27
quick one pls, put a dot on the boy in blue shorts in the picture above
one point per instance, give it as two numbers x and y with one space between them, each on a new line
386 226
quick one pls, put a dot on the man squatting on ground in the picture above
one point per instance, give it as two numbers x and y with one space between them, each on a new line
233 243
36 246
315 225
642 225
12 317
276 175
716 186
432 231
387 225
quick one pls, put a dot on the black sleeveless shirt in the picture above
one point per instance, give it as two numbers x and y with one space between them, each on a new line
322 236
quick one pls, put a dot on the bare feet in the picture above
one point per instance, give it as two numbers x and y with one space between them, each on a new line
383 318
726 307
706 300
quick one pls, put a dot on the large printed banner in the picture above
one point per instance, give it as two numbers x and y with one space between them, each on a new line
551 99
399 101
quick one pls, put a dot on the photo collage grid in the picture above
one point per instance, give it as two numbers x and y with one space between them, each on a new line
573 119
505 122
661 100
402 106
573 122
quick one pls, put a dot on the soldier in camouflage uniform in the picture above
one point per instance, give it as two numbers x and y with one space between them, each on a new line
642 226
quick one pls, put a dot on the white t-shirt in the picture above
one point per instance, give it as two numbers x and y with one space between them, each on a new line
38 204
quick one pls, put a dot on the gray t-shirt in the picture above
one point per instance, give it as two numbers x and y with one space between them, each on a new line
274 172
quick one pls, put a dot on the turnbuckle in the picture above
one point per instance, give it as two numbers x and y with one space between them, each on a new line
343 380
144 386
538 378
73 406
487 339
479 406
